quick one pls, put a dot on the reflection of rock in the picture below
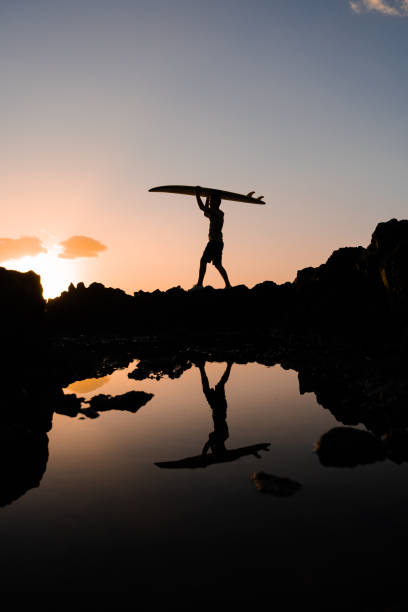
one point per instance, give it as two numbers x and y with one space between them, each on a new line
23 456
69 405
172 366
80 358
348 447
358 388
274 485
90 413
130 402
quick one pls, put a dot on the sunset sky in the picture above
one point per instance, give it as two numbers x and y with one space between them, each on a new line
303 101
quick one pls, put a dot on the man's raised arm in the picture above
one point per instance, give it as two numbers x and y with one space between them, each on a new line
201 206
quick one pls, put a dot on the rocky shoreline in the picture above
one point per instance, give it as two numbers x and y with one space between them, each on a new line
341 326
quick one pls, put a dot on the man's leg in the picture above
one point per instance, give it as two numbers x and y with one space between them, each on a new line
223 273
201 273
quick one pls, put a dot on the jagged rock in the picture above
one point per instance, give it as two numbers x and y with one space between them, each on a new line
95 307
347 295
387 235
389 252
339 272
22 304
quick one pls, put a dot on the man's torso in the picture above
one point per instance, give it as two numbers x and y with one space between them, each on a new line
216 223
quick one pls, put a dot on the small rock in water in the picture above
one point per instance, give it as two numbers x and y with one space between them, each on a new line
274 485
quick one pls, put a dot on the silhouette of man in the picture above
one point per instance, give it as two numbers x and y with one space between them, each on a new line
218 403
213 250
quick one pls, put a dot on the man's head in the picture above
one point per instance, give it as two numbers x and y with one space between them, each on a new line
215 202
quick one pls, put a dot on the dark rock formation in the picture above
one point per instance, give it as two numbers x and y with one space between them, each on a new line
361 288
357 290
96 307
388 254
100 309
339 295
22 304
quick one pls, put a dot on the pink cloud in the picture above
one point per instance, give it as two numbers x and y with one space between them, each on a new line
81 246
15 248
393 8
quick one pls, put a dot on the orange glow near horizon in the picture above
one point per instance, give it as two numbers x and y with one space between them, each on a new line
56 273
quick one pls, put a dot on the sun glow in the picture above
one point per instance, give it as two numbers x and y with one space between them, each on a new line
56 273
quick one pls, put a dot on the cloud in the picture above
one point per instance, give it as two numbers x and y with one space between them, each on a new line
356 6
15 248
81 246
394 8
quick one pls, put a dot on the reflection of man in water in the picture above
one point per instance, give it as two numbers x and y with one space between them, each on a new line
218 403
213 250
216 439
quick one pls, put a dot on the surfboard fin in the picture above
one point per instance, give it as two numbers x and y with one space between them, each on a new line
250 194
260 198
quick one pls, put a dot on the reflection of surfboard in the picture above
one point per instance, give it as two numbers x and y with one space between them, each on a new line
208 191
202 461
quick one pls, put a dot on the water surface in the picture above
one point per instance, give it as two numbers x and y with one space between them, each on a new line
106 518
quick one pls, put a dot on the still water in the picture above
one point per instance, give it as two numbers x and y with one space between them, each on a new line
107 518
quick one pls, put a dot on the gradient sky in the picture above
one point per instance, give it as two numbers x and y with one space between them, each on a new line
303 101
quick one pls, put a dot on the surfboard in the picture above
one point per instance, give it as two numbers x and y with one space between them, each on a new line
209 191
